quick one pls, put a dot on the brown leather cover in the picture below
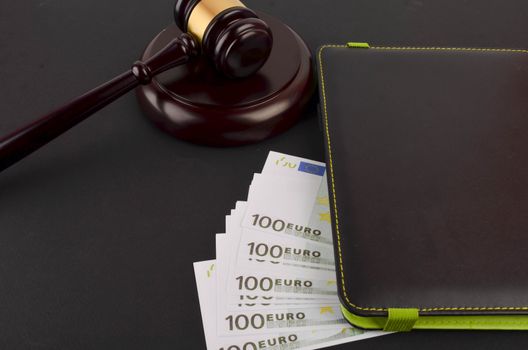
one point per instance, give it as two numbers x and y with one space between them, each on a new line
427 152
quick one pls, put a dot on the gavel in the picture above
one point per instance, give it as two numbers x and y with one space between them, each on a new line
233 38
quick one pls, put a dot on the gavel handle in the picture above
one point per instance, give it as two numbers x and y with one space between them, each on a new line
26 140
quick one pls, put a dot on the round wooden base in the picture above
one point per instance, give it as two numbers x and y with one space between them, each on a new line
195 103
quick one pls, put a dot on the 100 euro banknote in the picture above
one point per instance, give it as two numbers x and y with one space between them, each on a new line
290 201
283 339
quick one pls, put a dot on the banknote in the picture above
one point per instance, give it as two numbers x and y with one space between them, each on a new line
255 286
258 283
284 339
255 248
250 300
273 284
306 317
271 253
311 316
288 166
301 211
253 290
295 340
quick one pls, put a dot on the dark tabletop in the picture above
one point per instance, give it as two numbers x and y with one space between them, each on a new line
99 230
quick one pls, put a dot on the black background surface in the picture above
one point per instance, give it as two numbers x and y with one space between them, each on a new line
98 230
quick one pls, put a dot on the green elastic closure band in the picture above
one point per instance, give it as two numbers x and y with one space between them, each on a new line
401 320
482 322
358 45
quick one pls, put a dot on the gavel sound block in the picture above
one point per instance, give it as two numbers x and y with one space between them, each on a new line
193 102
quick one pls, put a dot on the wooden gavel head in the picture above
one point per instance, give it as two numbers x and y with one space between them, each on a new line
232 36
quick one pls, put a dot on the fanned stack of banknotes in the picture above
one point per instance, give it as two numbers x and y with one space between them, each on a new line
273 283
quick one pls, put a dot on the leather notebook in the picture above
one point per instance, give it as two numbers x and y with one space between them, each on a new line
427 152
